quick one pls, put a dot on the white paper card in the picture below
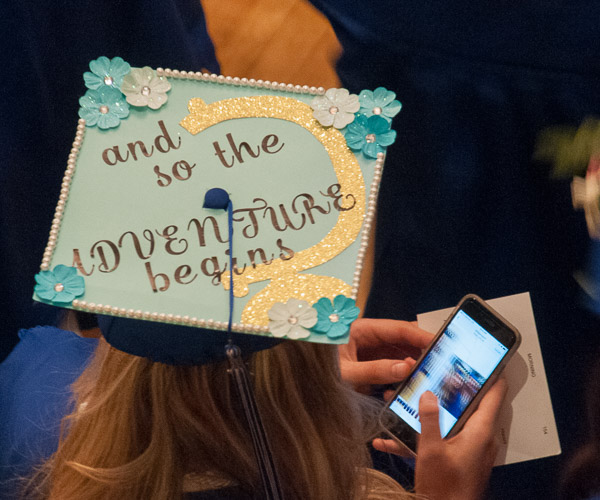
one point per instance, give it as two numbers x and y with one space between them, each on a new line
527 425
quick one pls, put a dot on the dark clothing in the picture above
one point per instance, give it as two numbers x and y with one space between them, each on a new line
46 48
463 207
35 395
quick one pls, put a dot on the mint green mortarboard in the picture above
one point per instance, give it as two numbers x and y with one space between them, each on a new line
134 237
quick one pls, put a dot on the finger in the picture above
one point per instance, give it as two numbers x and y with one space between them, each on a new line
429 415
389 351
370 332
382 371
390 446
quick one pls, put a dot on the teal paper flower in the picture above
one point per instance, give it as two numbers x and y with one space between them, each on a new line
381 102
105 107
335 319
369 135
106 73
61 285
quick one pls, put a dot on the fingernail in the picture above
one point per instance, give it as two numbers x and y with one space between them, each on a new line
400 370
429 397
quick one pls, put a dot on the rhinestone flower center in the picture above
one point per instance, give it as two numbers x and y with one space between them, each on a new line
59 287
108 80
334 318
292 320
370 138
334 110
103 109
377 110
146 90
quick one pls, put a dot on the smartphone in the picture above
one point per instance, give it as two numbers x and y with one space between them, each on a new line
463 361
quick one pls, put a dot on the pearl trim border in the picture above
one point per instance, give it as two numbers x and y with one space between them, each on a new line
91 307
64 195
368 223
177 319
239 82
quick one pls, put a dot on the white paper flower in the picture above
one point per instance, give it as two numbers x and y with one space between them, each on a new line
143 87
336 107
292 319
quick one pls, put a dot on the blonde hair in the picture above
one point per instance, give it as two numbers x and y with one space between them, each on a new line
140 428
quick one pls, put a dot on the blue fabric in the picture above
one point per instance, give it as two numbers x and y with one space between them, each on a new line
35 394
46 48
177 344
464 208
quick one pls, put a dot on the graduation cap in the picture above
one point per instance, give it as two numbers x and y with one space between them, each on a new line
291 174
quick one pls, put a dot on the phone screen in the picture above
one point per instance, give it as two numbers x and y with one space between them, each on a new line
455 369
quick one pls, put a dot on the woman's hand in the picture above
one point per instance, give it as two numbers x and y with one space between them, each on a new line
380 351
459 467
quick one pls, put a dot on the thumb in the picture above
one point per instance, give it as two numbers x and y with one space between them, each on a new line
429 415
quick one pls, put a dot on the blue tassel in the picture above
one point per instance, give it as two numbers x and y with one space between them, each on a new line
216 198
